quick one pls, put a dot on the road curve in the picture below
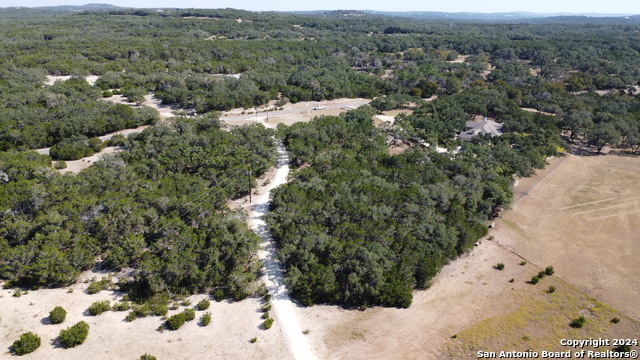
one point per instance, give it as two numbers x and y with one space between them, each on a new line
282 305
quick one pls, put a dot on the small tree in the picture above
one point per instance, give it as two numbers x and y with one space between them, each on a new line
578 322
147 357
500 266
535 280
551 289
189 314
267 323
176 321
206 319
57 315
99 307
203 304
549 270
74 335
160 309
27 343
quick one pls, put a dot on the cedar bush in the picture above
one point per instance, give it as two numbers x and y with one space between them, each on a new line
57 315
160 309
27 343
206 319
99 307
74 335
203 304
189 314
147 357
176 321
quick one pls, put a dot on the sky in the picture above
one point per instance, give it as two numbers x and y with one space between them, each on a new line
485 6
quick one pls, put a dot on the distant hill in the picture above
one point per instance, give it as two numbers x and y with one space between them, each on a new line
81 7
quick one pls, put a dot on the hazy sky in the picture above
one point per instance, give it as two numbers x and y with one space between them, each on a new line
539 6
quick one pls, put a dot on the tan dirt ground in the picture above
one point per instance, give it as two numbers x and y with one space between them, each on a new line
112 337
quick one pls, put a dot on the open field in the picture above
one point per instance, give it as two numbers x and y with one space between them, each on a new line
583 219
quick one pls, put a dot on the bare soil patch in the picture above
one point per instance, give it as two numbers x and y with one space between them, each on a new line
112 337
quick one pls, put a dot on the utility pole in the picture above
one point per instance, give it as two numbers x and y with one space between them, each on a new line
249 183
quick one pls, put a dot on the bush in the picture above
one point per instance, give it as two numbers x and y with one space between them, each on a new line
57 315
551 289
74 335
203 304
265 316
189 314
97 286
147 357
160 309
27 343
131 316
549 270
266 306
123 306
142 311
218 295
523 263
578 322
615 320
60 164
99 307
541 274
253 340
174 322
535 280
500 266
17 293
512 280
107 94
206 319
267 323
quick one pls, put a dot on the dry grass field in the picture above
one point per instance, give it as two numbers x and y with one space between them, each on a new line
582 217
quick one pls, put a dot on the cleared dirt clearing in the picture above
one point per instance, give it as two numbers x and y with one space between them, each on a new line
583 219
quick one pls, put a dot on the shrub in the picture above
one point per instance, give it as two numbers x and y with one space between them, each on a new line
615 320
17 293
123 306
107 94
523 263
27 343
267 323
541 274
142 311
174 322
74 335
189 314
131 316
265 316
99 307
147 357
253 340
186 302
160 309
203 304
97 286
60 164
551 289
218 295
578 322
266 306
57 315
549 270
206 319
512 280
500 266
535 280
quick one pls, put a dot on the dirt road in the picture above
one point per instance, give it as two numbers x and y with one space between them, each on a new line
283 307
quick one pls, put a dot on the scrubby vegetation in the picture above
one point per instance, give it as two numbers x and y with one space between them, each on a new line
174 322
57 315
75 335
99 307
27 343
203 304
206 319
